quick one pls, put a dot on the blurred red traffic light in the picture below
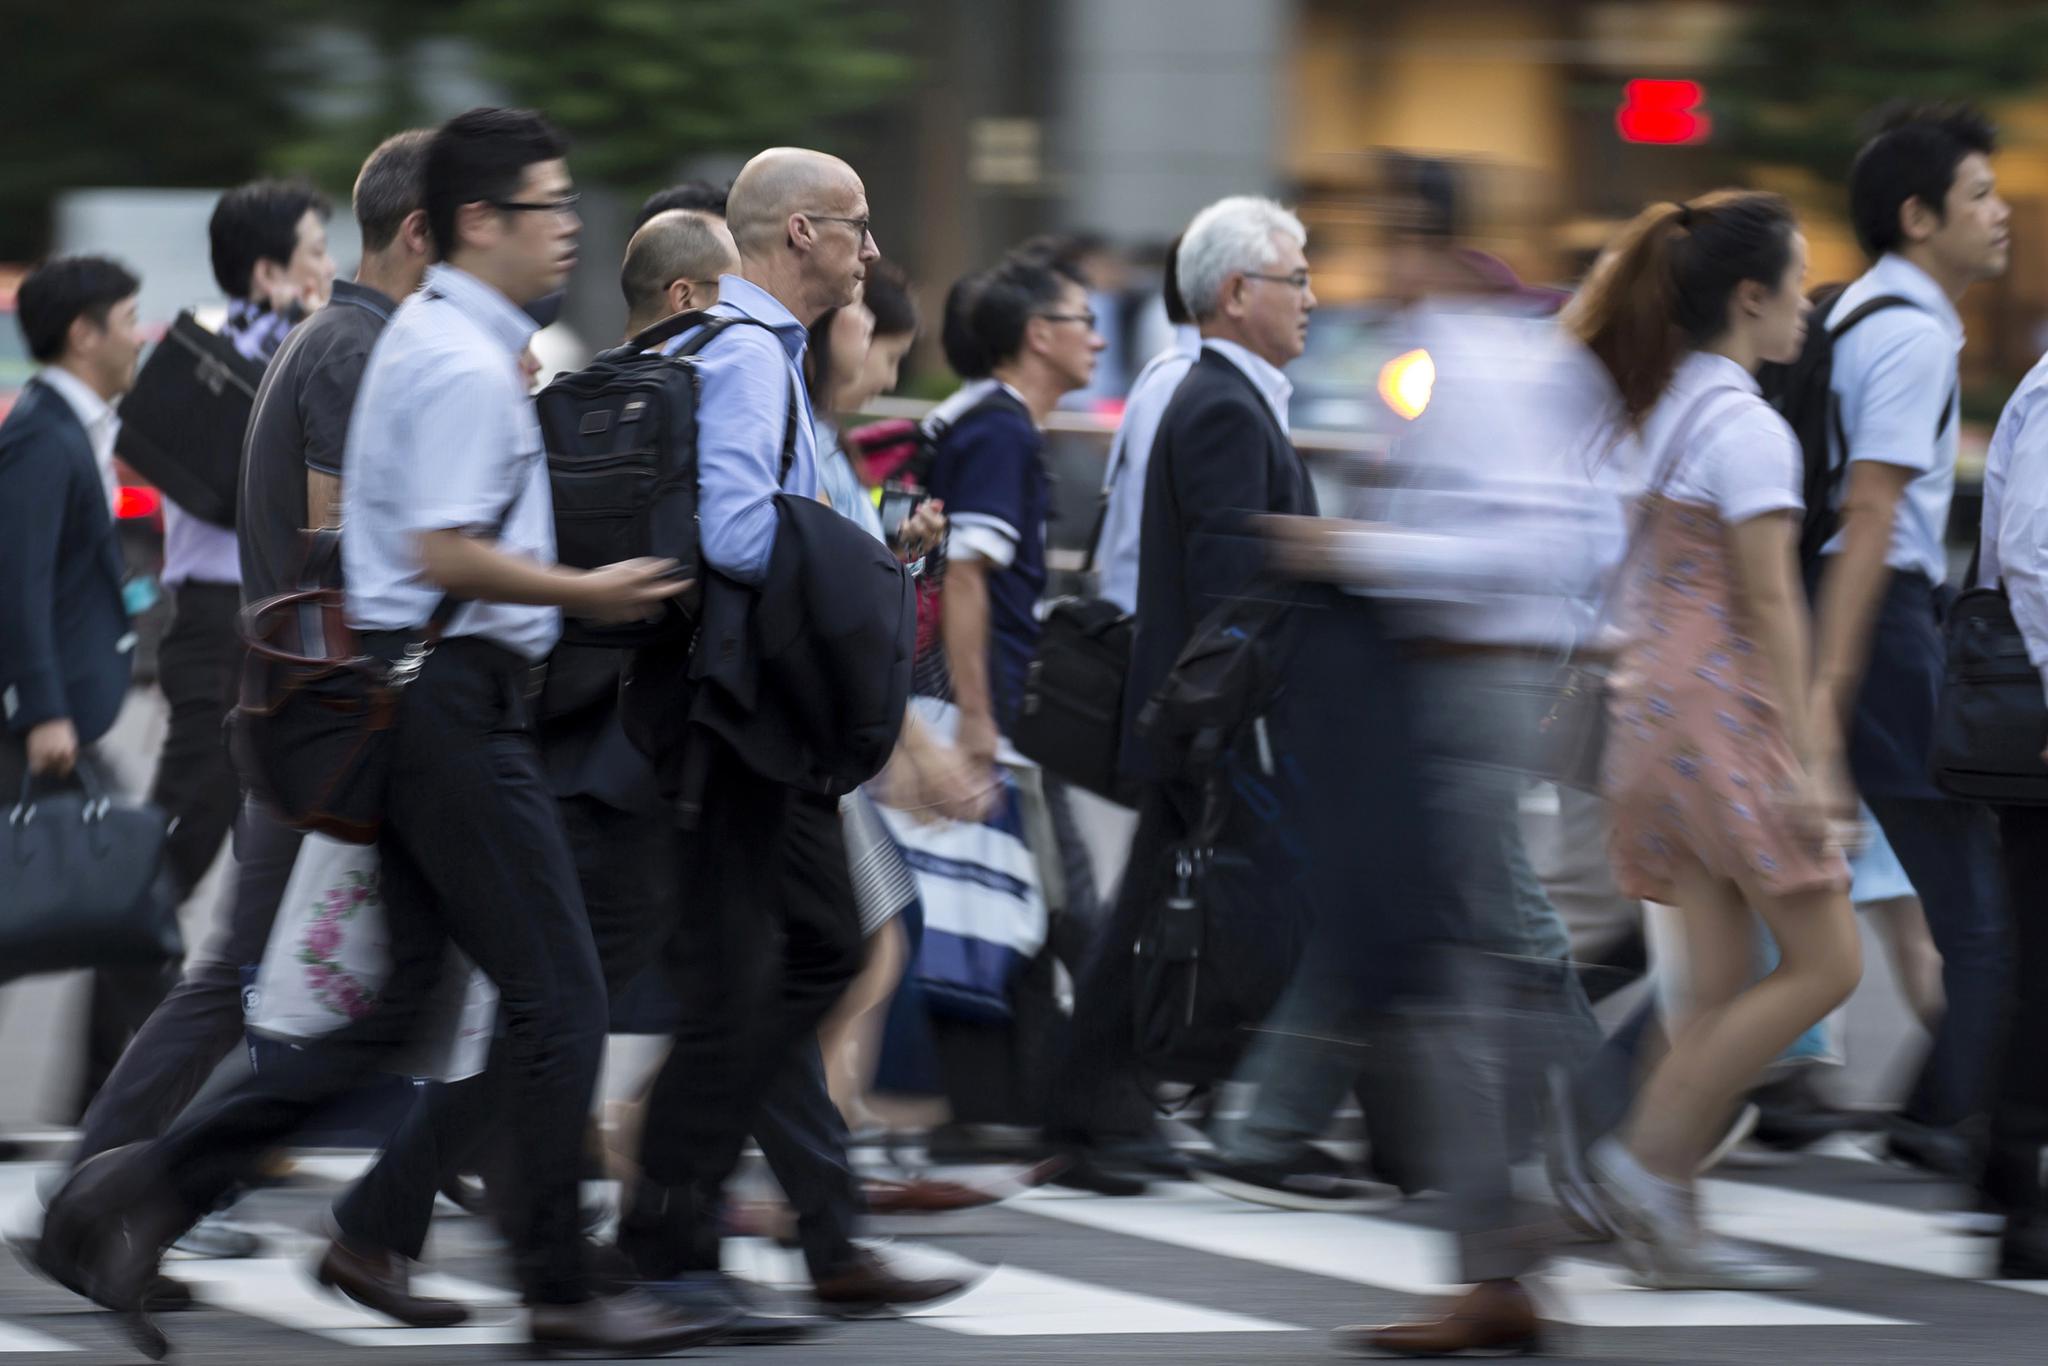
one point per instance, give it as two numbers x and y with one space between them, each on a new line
131 502
1666 113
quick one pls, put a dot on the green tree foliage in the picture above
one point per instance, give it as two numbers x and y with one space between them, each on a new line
642 84
211 92
131 92
1798 86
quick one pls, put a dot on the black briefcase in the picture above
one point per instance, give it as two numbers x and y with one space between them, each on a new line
1992 722
1070 721
182 423
80 884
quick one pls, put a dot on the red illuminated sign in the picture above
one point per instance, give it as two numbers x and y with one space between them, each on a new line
1664 113
132 502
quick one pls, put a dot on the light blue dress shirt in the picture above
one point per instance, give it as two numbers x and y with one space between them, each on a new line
1130 454
444 437
747 377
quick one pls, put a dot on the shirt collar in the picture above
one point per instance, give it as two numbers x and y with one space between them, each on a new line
497 315
745 297
376 300
1894 274
1264 375
1711 369
92 410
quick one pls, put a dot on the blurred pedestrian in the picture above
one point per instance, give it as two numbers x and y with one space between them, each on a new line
672 266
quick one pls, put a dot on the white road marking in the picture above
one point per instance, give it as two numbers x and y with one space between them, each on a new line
1396 1256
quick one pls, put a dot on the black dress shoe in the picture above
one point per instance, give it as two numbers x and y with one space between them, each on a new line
2023 1250
1318 1183
104 1233
867 1285
380 1279
1089 1171
709 1292
1947 1153
631 1323
1792 1116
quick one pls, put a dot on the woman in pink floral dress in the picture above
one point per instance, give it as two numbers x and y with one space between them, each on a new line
1721 789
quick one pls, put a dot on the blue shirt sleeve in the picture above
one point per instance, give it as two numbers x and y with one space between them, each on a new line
741 414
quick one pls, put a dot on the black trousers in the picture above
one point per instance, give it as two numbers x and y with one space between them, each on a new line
195 780
1949 850
2019 1115
472 851
196 1025
1098 1076
767 941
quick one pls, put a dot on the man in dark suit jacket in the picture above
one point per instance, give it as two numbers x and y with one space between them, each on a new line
1222 456
65 646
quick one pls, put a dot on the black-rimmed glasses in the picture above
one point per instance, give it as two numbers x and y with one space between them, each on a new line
1087 319
566 204
859 225
1299 279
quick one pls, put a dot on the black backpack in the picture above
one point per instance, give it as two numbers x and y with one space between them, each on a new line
1803 392
621 438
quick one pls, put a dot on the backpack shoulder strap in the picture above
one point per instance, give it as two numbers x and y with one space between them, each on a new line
652 336
1868 307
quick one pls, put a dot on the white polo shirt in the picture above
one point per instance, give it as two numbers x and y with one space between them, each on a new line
1895 375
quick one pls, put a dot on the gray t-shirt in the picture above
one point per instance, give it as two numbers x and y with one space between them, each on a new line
300 422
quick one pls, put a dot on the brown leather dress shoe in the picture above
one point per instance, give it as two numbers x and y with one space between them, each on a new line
923 1195
380 1279
866 1286
1493 1318
631 1323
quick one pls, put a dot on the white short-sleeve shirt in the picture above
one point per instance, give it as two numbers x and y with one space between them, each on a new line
1895 375
444 437
1740 456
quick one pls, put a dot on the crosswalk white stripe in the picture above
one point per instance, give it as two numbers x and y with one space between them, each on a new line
1010 1301
15 1338
281 1290
1854 1230
1397 1256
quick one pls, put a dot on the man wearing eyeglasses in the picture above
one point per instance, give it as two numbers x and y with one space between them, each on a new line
769 935
673 264
1222 454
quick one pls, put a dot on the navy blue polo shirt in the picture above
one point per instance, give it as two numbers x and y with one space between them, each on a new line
990 471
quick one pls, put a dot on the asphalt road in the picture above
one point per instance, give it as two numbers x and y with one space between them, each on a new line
1179 1276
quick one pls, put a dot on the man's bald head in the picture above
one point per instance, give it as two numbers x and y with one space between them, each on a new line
788 180
679 245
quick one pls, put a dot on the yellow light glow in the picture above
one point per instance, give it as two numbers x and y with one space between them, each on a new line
1405 383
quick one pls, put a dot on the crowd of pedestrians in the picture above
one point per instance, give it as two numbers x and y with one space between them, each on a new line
760 778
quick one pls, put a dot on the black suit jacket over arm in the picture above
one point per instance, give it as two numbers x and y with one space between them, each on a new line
1220 458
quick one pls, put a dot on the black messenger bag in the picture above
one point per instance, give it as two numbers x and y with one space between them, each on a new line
182 423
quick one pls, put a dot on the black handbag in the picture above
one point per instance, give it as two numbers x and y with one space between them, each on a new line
79 882
1991 724
1070 721
1212 958
182 424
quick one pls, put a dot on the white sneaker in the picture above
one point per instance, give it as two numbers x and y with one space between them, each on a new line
1707 1261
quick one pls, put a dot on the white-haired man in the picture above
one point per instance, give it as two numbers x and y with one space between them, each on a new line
1221 457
